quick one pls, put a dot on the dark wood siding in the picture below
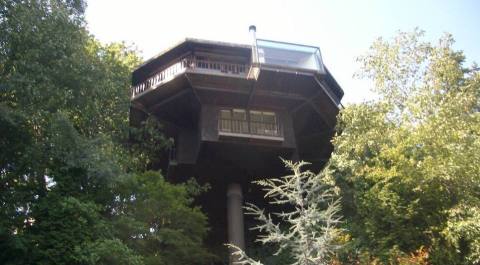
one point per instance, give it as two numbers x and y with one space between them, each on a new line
209 127
188 146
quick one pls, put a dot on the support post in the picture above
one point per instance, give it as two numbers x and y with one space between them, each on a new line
235 218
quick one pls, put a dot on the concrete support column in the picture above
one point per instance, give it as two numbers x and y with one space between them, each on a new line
235 217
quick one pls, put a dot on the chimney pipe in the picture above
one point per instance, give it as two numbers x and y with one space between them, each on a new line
252 29
254 69
253 33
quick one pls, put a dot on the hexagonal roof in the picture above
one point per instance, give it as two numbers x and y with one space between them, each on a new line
148 68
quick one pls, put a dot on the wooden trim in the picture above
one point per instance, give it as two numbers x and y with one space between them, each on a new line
270 93
276 126
314 107
307 102
222 57
253 136
290 70
327 91
193 89
226 90
262 93
197 70
252 92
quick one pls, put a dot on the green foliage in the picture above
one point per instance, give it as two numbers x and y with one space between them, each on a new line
154 217
67 180
265 253
310 235
408 164
50 63
53 239
106 252
147 143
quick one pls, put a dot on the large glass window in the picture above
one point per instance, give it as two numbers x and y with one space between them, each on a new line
239 121
225 120
263 123
248 122
288 55
233 120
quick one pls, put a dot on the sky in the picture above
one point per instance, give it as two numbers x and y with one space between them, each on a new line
343 30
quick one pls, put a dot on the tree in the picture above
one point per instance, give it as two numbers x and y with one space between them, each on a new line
157 220
312 218
64 136
408 163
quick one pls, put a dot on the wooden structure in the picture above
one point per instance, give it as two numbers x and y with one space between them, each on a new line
232 111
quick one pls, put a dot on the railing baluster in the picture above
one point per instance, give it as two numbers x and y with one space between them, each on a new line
252 127
184 63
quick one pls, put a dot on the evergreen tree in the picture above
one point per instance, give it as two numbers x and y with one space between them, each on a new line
311 221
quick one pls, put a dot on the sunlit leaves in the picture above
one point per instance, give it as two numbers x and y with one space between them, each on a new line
64 134
409 162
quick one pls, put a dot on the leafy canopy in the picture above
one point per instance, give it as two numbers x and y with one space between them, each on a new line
71 191
408 164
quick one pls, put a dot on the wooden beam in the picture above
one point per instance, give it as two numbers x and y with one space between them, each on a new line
308 101
168 100
322 114
314 107
216 89
327 92
193 89
139 106
322 133
266 93
262 93
250 96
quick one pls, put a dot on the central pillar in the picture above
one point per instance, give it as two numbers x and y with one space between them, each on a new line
235 218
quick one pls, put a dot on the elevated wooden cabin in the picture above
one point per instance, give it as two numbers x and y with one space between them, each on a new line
233 110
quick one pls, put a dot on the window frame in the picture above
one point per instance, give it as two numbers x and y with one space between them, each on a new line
255 123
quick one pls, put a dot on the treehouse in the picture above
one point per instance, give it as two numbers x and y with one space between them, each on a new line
232 111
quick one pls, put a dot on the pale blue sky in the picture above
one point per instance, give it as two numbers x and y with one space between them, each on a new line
342 29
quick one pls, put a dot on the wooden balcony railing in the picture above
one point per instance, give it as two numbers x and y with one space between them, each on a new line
221 67
243 128
187 63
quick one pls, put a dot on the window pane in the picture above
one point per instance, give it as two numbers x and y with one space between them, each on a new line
289 55
268 117
255 116
239 114
256 122
225 114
